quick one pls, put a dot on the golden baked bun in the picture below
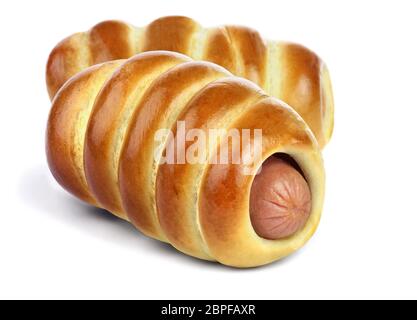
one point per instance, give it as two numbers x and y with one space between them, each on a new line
284 70
101 146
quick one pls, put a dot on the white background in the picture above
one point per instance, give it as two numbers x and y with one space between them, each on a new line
53 246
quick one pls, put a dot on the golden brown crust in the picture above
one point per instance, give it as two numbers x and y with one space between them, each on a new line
66 127
177 184
202 208
110 118
169 33
300 86
225 190
159 108
289 72
218 49
111 40
250 52
66 59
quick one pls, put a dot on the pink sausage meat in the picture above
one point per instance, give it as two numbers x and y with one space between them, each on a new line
280 200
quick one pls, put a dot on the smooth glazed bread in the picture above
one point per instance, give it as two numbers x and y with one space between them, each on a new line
104 146
287 71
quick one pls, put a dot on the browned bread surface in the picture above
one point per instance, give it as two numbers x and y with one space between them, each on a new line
287 71
101 147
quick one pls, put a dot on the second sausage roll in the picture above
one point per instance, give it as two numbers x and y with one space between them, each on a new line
284 70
